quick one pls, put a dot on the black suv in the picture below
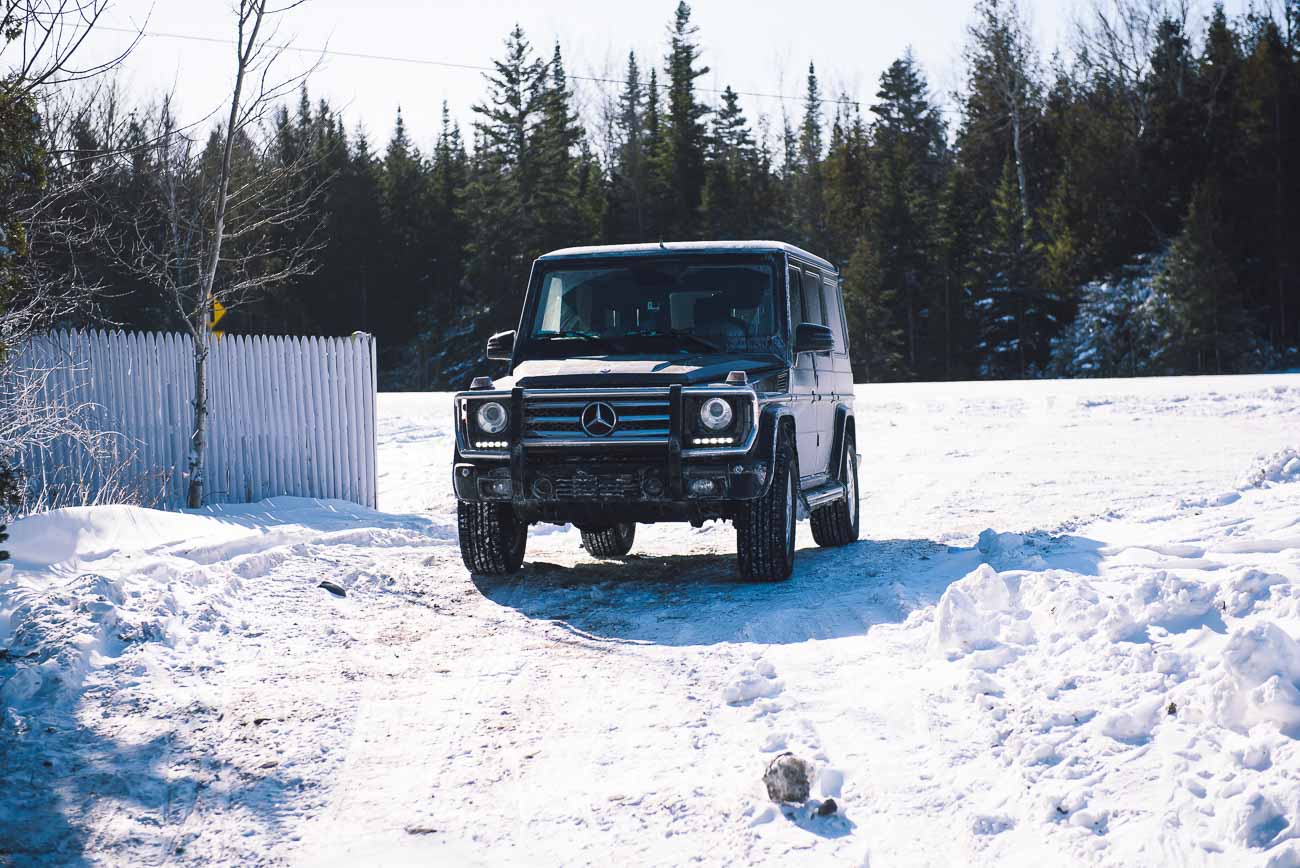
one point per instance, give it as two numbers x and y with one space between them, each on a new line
653 382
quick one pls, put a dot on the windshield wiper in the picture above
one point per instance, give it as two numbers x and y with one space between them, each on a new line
587 337
676 333
572 334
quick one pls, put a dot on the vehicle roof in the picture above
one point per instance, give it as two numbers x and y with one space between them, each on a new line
670 247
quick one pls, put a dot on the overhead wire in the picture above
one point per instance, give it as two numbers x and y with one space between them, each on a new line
424 61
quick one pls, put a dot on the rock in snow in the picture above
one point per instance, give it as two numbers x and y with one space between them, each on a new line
788 779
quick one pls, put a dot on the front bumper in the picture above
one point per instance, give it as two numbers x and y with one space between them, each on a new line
612 481
583 480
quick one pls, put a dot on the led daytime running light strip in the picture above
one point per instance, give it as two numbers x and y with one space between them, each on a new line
712 441
490 444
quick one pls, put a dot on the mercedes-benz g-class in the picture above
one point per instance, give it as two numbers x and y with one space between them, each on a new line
664 382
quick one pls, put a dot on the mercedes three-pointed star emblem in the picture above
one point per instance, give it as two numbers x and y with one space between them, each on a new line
599 419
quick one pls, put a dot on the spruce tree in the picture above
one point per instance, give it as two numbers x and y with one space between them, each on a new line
808 182
448 177
407 280
869 305
498 206
909 152
1210 332
628 174
680 157
561 223
730 202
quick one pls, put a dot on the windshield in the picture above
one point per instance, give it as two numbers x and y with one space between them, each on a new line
647 305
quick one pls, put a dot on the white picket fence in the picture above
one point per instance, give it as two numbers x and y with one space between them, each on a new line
287 416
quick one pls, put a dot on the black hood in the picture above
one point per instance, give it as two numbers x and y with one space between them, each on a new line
614 371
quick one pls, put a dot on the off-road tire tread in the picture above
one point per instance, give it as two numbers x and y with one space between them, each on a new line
760 536
492 538
832 524
606 542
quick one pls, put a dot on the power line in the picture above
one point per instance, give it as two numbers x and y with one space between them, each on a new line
423 61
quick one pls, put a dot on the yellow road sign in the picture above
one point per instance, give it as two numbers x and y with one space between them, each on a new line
218 311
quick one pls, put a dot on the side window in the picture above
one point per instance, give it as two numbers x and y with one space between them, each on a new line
812 298
835 314
796 303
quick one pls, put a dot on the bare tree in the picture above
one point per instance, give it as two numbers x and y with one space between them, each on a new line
222 226
1115 41
41 42
1002 49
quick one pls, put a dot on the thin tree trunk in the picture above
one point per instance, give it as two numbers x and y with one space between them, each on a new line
250 10
947 327
1020 166
1278 233
198 441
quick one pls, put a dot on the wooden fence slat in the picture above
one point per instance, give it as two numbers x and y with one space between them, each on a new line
298 426
348 419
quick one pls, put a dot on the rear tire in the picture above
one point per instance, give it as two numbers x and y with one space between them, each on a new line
492 538
609 542
836 524
765 526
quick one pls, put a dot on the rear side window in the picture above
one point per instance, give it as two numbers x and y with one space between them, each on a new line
812 299
835 314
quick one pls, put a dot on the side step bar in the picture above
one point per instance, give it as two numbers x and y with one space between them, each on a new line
827 492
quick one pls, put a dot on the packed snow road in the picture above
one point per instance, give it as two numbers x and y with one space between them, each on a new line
1068 636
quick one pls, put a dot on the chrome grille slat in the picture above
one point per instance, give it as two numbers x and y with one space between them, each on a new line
640 417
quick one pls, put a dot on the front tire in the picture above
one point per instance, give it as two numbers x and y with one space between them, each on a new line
765 526
492 538
609 542
837 524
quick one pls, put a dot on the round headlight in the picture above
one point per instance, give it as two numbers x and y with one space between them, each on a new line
715 414
492 417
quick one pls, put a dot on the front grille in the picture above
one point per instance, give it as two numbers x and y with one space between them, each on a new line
559 417
590 486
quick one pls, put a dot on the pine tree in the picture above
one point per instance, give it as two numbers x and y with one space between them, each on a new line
560 224
958 233
1015 314
448 177
848 180
730 203
909 152
499 202
869 305
1211 332
362 239
629 181
680 154
807 182
407 281
1269 120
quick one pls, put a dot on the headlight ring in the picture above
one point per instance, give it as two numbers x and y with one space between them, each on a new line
716 414
492 417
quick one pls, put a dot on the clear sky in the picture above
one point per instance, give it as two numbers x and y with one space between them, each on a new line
753 45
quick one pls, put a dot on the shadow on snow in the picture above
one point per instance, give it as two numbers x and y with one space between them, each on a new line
700 600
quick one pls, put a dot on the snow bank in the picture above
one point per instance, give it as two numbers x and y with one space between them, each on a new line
1260 682
1252 669
1281 466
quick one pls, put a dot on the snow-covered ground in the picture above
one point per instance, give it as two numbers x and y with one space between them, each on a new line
1068 636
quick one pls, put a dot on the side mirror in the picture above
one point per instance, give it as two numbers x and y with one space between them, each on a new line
812 338
501 346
